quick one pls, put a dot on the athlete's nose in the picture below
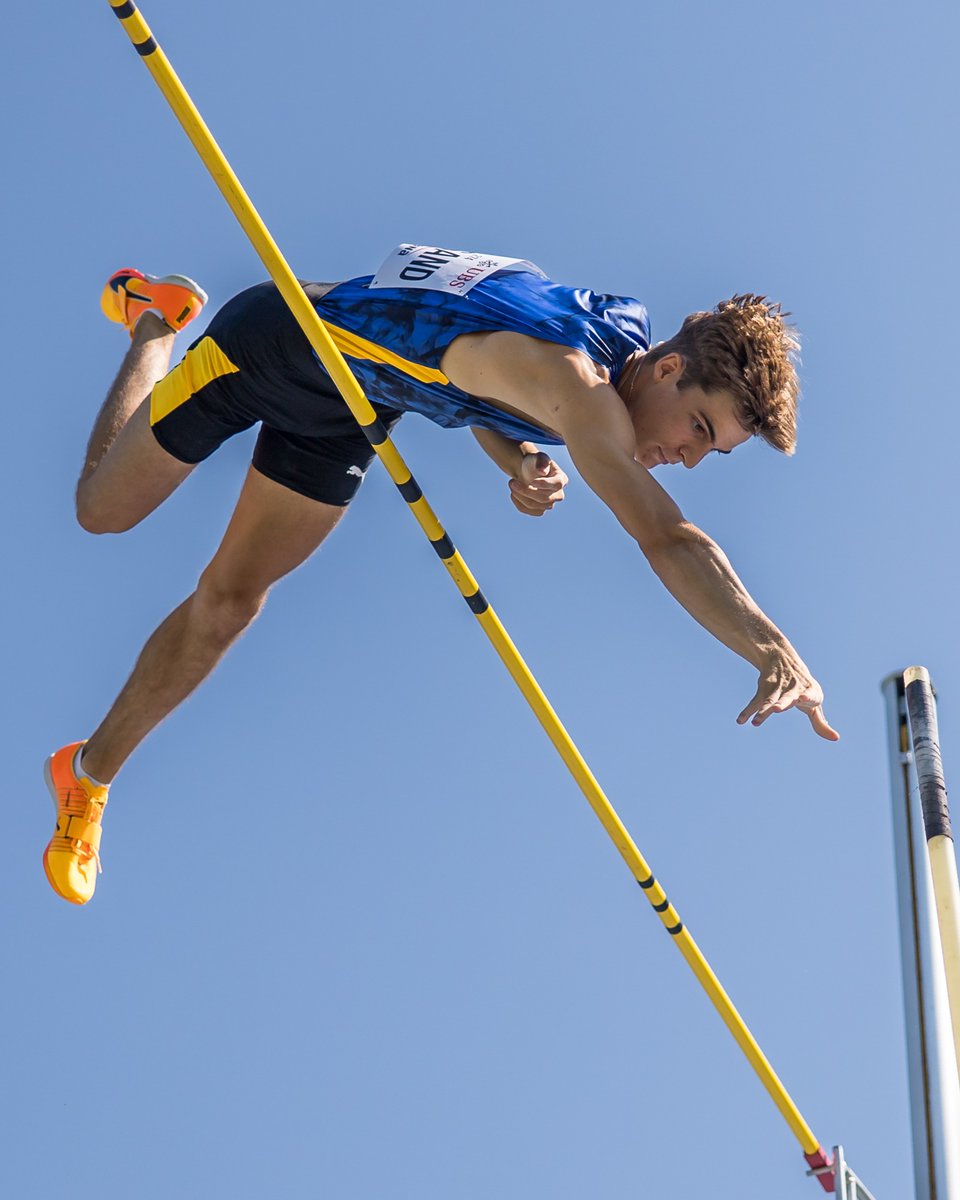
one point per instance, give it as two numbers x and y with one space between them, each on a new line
692 457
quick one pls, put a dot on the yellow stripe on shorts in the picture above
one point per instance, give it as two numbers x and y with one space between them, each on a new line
201 365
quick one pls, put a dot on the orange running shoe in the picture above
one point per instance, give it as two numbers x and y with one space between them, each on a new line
72 857
128 294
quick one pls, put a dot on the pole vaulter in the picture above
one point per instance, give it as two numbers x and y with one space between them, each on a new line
165 77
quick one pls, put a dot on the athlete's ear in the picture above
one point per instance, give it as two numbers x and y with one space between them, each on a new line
668 368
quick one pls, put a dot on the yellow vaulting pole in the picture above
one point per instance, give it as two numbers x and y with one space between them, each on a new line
203 141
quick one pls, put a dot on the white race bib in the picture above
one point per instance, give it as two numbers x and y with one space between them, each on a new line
439 270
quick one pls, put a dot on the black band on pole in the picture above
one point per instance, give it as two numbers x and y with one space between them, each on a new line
662 906
444 547
477 603
926 752
410 490
648 882
673 930
145 48
124 10
375 432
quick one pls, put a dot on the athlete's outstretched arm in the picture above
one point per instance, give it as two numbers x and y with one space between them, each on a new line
536 482
694 569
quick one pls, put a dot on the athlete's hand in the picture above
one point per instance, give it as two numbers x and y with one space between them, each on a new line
539 486
786 683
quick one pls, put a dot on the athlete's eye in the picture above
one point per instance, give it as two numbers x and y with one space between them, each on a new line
698 427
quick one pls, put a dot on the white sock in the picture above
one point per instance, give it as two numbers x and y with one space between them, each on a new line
78 769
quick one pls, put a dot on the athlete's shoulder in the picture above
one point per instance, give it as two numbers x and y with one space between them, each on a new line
624 312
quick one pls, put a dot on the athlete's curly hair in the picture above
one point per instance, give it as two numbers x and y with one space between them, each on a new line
744 347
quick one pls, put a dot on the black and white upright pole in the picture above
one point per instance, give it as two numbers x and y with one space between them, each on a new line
922 708
931 1051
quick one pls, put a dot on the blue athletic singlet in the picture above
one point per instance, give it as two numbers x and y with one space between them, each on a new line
393 332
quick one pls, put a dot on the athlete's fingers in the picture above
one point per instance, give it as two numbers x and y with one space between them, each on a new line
534 496
759 696
540 470
820 723
541 497
526 506
539 485
548 483
544 500
772 697
525 509
778 702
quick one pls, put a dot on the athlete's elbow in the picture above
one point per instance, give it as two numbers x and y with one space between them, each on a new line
663 540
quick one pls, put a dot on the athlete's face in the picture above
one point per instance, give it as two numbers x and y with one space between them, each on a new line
679 425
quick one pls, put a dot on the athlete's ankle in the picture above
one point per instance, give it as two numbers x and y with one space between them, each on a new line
150 326
87 762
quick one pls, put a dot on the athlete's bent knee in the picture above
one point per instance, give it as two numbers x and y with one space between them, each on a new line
96 518
226 612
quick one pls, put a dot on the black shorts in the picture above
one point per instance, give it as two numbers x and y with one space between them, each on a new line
252 364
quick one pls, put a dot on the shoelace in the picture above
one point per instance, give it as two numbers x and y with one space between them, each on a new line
91 852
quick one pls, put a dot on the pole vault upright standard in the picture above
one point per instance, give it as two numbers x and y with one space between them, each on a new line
922 708
166 79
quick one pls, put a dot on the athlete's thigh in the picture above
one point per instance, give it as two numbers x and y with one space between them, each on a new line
135 475
272 531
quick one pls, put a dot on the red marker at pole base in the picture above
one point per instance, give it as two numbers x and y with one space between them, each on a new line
822 1167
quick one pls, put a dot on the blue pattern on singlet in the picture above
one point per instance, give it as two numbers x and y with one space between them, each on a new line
418 325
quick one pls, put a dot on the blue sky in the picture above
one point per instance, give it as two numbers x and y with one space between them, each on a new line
358 933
